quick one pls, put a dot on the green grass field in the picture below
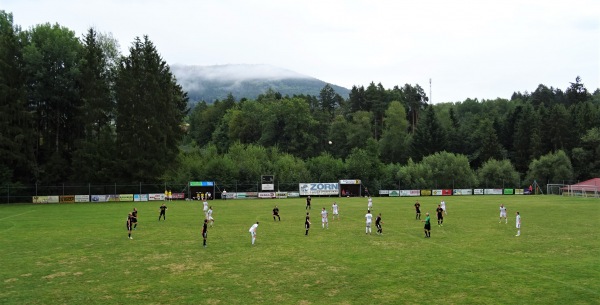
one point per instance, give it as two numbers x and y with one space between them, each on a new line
80 254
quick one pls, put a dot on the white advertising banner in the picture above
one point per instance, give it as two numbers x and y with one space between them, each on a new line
319 189
410 193
281 195
478 191
157 197
384 192
352 181
100 198
266 195
268 187
459 192
53 199
492 191
82 198
436 192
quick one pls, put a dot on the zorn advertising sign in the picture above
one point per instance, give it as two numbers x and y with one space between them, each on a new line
317 189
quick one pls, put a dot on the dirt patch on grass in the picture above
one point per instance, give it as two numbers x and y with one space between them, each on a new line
10 280
55 275
304 302
26 274
212 301
78 273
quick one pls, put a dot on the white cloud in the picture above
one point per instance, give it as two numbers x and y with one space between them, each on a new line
478 49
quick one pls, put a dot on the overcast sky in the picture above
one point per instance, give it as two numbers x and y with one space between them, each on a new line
469 49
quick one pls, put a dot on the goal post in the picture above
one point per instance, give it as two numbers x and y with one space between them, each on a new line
555 189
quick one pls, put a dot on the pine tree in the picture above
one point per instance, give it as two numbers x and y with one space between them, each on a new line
16 125
429 136
95 151
150 111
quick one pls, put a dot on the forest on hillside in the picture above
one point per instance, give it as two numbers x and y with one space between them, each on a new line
74 110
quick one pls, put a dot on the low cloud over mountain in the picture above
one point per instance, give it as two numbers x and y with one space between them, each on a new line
208 83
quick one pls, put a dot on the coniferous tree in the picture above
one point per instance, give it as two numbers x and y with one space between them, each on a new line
329 100
522 138
51 56
416 100
16 125
95 151
429 136
488 146
150 110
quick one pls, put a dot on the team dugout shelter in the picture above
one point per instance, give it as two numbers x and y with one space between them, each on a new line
203 187
351 188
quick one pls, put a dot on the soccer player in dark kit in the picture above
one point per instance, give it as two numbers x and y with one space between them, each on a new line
308 199
378 224
276 213
163 210
134 220
440 215
128 224
418 210
205 231
307 223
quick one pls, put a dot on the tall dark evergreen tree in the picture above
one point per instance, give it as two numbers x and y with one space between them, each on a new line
416 100
488 146
329 100
522 138
150 110
455 143
16 125
577 93
559 129
357 99
429 136
95 151
52 55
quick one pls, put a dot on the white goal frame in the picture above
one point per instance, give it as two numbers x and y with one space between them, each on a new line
555 189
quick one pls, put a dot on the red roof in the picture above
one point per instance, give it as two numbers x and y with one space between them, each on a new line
587 185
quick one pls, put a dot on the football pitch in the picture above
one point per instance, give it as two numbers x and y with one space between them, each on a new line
80 253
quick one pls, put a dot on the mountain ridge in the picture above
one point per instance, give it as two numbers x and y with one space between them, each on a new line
210 83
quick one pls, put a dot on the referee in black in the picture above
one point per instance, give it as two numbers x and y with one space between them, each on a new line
276 213
205 231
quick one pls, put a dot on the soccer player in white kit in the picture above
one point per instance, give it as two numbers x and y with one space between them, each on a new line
205 209
324 220
253 232
209 216
503 214
370 204
443 205
518 224
369 218
335 210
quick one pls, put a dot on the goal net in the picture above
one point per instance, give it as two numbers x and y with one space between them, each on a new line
555 189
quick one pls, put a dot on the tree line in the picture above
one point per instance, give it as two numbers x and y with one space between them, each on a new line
76 110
